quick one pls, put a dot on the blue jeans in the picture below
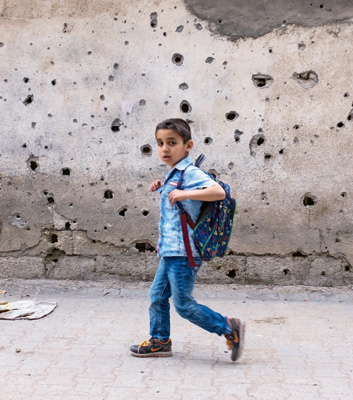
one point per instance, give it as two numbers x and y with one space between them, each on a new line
175 277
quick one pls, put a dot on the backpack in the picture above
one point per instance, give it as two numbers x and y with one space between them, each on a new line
213 228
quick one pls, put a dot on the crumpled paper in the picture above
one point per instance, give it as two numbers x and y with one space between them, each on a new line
25 309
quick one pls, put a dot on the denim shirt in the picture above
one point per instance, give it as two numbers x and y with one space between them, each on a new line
170 242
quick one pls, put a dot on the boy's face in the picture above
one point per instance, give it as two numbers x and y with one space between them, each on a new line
171 147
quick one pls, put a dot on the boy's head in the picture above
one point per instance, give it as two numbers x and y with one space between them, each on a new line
174 141
177 125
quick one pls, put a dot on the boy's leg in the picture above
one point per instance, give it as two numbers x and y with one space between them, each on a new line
160 309
182 279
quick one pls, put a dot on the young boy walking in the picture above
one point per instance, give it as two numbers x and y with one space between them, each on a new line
175 277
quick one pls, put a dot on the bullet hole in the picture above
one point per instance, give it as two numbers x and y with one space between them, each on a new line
199 27
146 150
67 28
255 142
299 253
346 94
350 115
209 60
178 59
301 46
50 200
54 255
237 135
321 6
164 34
143 247
154 21
142 102
89 53
108 194
66 171
232 115
53 238
307 79
323 273
296 126
53 82
24 145
1 44
116 124
50 115
208 140
340 124
179 28
111 78
281 151
183 86
25 80
262 81
145 213
347 268
270 50
268 157
185 106
286 271
343 194
102 97
67 225
232 273
29 100
122 211
309 200
33 165
116 66
230 165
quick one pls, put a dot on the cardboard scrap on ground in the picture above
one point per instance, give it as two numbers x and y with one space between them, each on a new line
25 309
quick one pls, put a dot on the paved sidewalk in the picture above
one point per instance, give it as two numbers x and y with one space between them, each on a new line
298 345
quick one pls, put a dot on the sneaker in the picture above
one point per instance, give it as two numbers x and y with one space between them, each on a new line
152 348
235 339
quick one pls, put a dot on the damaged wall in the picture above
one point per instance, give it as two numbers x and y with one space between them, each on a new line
82 86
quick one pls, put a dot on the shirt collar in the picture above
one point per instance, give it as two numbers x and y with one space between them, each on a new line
181 166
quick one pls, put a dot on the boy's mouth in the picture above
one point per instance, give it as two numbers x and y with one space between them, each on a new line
166 157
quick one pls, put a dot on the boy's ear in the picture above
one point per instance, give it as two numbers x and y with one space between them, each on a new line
189 145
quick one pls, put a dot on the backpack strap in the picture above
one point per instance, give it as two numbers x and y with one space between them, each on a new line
185 220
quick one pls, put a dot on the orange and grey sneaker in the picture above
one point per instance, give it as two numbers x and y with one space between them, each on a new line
235 339
152 348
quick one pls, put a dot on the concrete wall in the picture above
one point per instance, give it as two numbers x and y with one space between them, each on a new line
82 86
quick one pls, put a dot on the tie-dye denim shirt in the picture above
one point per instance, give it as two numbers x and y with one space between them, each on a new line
171 243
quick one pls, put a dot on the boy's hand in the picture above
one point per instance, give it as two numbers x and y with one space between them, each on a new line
176 195
155 185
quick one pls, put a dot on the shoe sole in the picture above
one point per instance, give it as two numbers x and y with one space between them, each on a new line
157 354
242 327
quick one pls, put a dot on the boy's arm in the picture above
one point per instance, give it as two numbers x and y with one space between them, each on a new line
212 193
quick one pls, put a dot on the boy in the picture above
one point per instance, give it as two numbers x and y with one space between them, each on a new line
174 276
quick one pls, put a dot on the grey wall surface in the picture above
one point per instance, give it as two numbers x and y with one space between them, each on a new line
82 86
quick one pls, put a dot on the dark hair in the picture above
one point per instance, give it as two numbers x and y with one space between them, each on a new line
177 125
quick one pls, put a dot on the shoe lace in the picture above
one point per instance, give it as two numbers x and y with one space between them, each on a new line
145 343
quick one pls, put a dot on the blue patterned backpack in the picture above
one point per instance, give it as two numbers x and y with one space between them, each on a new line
213 228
